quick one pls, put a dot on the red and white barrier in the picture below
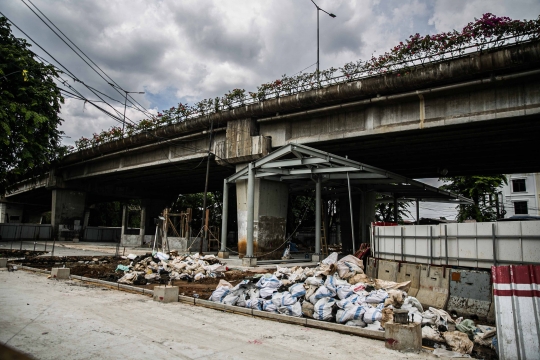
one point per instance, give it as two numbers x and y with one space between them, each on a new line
516 293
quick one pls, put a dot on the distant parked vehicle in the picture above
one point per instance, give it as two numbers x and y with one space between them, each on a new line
521 218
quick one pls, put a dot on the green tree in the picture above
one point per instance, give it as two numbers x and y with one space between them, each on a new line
481 189
29 107
384 211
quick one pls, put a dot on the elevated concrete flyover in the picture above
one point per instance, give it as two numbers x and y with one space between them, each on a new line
474 114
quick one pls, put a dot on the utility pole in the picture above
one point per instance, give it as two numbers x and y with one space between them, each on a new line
206 187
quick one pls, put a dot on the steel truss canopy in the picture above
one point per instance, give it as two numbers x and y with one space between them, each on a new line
295 162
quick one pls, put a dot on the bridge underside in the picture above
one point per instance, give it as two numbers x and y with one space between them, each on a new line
500 146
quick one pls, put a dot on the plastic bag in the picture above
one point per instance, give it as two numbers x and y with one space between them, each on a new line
297 290
376 297
199 276
371 315
254 303
413 302
458 341
466 326
348 302
312 280
283 299
269 306
439 352
219 294
323 309
291 310
230 299
352 313
359 323
162 256
331 259
121 267
322 292
344 292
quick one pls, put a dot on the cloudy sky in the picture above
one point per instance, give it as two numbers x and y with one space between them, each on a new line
184 51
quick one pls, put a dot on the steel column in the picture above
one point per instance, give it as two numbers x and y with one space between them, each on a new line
318 214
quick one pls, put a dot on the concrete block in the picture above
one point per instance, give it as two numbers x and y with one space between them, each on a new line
388 270
166 294
3 262
410 272
315 257
249 261
372 268
434 285
280 317
238 309
403 337
60 273
223 254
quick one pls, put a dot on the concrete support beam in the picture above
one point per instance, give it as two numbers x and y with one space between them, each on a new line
142 227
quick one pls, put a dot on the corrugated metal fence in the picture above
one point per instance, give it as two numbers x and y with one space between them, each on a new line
476 245
10 232
517 303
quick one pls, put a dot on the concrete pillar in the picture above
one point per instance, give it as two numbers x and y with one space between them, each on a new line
124 222
67 206
270 199
250 211
142 227
223 253
3 209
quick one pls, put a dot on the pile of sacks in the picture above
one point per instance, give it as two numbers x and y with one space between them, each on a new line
161 268
339 291
336 291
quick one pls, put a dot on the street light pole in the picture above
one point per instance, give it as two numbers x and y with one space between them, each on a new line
332 16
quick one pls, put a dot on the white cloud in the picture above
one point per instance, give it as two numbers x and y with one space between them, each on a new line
189 50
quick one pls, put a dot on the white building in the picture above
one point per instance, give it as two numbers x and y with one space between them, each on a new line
522 194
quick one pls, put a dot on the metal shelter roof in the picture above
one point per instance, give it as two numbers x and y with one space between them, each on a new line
295 162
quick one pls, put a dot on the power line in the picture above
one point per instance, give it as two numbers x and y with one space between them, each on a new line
144 112
59 63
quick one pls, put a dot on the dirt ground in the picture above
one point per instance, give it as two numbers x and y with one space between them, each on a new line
103 268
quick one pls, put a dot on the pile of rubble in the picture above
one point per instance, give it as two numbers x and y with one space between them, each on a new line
339 291
162 268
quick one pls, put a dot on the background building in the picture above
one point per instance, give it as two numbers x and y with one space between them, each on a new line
522 194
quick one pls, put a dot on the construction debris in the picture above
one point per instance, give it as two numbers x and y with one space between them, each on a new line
162 268
339 291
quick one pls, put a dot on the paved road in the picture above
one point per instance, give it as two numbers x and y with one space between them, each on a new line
53 319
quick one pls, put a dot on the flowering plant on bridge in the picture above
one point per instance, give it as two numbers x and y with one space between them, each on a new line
487 32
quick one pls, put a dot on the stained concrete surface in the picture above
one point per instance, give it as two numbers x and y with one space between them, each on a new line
52 319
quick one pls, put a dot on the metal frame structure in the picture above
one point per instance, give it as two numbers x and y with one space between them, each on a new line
295 162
